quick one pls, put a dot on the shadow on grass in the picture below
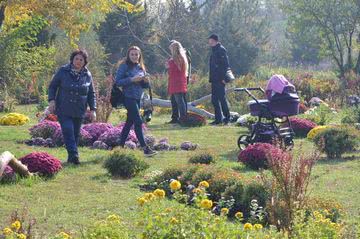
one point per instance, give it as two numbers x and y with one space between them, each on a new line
327 161
230 155
102 178
95 160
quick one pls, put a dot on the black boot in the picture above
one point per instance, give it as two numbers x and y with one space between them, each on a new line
73 159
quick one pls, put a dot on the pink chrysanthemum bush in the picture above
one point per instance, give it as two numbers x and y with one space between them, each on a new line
97 129
42 163
301 127
8 175
112 137
256 155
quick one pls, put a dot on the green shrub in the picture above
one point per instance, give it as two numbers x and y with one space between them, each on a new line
351 115
162 180
220 182
112 227
169 173
254 191
321 115
204 173
336 141
124 164
202 158
235 192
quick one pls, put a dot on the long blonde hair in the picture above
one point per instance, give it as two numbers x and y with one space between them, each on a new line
179 56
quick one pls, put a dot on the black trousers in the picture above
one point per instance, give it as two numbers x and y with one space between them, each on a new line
175 108
218 99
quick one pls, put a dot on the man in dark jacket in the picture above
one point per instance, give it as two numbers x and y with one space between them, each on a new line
219 64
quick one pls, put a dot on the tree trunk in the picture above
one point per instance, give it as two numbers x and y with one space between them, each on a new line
191 105
7 159
2 15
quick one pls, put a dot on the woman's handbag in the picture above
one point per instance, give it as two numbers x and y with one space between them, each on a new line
117 97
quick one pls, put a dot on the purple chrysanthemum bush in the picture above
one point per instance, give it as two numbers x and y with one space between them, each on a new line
99 136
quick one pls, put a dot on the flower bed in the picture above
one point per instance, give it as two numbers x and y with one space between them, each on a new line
192 180
98 136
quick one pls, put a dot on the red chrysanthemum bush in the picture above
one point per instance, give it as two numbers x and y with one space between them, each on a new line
192 120
301 127
42 163
255 156
52 117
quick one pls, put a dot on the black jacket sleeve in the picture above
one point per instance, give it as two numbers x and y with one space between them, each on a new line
223 59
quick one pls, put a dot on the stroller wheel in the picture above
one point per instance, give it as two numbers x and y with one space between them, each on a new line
243 141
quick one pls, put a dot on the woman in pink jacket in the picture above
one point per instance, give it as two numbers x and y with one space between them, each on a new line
177 84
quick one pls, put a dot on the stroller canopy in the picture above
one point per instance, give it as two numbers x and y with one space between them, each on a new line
278 84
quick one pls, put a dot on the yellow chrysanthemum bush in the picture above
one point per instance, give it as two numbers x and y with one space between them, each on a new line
224 188
316 225
168 219
315 131
14 119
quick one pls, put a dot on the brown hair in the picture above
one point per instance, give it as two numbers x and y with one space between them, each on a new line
127 60
81 52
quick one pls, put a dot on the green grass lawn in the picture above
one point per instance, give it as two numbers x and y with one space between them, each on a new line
78 196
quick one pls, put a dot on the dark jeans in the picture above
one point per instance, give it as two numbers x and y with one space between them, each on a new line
70 128
178 105
133 118
218 99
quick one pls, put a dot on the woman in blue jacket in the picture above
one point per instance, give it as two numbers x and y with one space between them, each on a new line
70 92
131 76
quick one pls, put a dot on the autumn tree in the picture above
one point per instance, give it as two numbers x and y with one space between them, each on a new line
243 29
335 23
73 16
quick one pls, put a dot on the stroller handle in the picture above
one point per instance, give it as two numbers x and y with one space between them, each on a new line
247 90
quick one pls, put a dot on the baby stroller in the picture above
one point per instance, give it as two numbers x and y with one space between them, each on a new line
273 123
